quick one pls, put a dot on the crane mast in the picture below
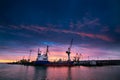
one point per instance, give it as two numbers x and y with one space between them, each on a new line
29 56
47 51
69 50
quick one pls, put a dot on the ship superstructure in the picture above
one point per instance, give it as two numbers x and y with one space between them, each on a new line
42 59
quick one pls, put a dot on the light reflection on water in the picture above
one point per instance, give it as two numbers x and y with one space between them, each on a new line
20 72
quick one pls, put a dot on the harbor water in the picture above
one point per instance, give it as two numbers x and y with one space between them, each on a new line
21 72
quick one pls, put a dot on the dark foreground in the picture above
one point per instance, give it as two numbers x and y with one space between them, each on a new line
21 72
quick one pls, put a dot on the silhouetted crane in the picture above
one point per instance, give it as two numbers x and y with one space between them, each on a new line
69 49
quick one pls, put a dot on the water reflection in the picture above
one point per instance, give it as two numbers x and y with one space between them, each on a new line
69 77
52 73
72 73
59 73
26 71
40 73
20 72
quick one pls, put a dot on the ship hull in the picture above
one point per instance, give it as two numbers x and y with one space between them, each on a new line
41 63
47 63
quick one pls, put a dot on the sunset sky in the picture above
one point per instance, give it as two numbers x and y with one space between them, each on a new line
28 25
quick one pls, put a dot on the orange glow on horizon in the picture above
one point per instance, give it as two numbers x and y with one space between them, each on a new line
6 61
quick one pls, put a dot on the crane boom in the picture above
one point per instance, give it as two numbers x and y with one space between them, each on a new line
29 56
69 49
71 44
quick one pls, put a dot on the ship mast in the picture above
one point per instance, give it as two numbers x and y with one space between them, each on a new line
39 52
47 51
69 50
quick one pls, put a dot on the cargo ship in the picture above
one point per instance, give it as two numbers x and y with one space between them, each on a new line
42 59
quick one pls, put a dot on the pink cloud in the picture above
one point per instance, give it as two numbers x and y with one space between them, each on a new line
14 27
104 37
79 25
71 25
83 23
94 22
86 34
21 34
105 29
38 29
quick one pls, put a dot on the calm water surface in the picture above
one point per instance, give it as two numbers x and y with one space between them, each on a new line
20 72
